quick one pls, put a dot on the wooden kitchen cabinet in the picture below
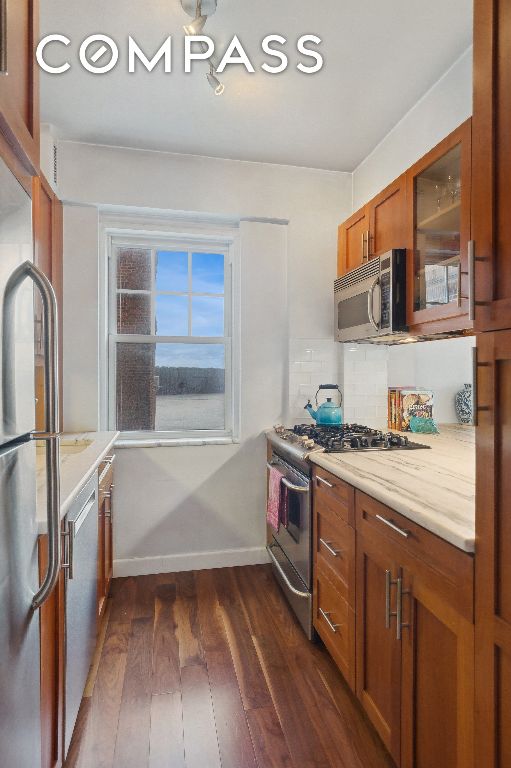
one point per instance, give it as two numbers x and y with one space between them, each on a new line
105 532
493 561
427 210
491 165
353 241
387 219
48 234
415 639
52 651
19 80
438 223
334 569
378 653
376 228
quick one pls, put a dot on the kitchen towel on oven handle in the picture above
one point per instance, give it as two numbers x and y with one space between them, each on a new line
277 505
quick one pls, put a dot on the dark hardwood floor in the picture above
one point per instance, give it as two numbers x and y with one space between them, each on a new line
210 669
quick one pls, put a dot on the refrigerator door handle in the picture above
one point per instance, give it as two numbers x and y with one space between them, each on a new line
51 407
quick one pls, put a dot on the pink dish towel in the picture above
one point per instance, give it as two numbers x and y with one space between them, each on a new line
275 496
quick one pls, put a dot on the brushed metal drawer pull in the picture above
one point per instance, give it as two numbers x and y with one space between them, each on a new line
325 482
326 615
389 583
396 528
327 546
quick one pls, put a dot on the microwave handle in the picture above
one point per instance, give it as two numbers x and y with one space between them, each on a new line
370 312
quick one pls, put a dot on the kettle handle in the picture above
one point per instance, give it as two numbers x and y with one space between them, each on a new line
329 386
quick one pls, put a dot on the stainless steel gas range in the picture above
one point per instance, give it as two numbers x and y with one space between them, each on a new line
290 549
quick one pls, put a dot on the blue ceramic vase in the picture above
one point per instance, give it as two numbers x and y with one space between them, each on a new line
463 405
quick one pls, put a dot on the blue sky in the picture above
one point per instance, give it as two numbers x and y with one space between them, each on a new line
207 272
172 311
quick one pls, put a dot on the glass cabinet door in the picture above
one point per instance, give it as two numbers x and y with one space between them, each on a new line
437 233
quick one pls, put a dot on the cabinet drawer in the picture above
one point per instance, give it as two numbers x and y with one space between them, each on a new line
334 492
334 621
334 542
449 570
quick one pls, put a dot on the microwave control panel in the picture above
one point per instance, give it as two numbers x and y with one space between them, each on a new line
385 288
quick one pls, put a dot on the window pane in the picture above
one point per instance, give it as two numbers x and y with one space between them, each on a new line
170 387
171 271
133 313
172 315
136 387
134 269
207 316
207 273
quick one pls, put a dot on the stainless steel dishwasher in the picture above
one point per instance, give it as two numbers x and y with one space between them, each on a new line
81 564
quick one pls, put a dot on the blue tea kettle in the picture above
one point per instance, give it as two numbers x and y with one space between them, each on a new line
327 414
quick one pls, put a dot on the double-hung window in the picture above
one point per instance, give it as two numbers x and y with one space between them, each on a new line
170 332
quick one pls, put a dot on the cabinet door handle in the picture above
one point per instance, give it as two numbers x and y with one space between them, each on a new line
325 482
3 37
396 528
389 583
363 247
399 607
69 536
327 546
326 616
471 281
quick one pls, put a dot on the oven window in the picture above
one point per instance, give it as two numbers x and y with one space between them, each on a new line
352 312
294 510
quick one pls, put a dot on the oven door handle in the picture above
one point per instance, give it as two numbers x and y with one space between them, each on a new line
296 488
278 566
370 310
291 486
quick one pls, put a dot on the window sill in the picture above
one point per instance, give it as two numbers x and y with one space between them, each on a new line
178 442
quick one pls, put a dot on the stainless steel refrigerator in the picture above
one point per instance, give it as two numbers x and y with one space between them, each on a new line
21 591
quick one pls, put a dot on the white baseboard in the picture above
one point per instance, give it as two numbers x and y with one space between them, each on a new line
192 561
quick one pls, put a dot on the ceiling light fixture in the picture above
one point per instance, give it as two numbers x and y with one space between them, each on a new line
200 10
215 83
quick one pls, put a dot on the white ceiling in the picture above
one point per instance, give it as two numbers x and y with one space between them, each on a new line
380 57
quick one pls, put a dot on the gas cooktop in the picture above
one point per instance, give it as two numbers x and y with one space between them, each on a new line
352 437
303 439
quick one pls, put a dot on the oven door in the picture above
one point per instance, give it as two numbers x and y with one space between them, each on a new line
358 310
295 539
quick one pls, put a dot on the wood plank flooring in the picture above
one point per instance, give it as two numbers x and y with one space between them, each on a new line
209 669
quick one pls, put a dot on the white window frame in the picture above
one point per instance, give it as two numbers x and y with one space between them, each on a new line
199 239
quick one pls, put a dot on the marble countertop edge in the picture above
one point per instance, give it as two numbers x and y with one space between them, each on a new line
75 469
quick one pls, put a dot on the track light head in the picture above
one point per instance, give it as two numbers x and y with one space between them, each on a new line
215 83
196 26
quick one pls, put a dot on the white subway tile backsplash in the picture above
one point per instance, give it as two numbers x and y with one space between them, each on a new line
296 380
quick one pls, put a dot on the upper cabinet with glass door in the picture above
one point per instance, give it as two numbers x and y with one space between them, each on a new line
439 237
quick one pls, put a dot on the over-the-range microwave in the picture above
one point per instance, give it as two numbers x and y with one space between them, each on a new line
370 301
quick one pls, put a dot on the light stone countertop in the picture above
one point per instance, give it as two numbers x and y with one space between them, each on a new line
80 456
435 488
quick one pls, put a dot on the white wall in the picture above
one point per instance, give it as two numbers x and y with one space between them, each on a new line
442 366
314 202
187 507
81 319
445 106
363 371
